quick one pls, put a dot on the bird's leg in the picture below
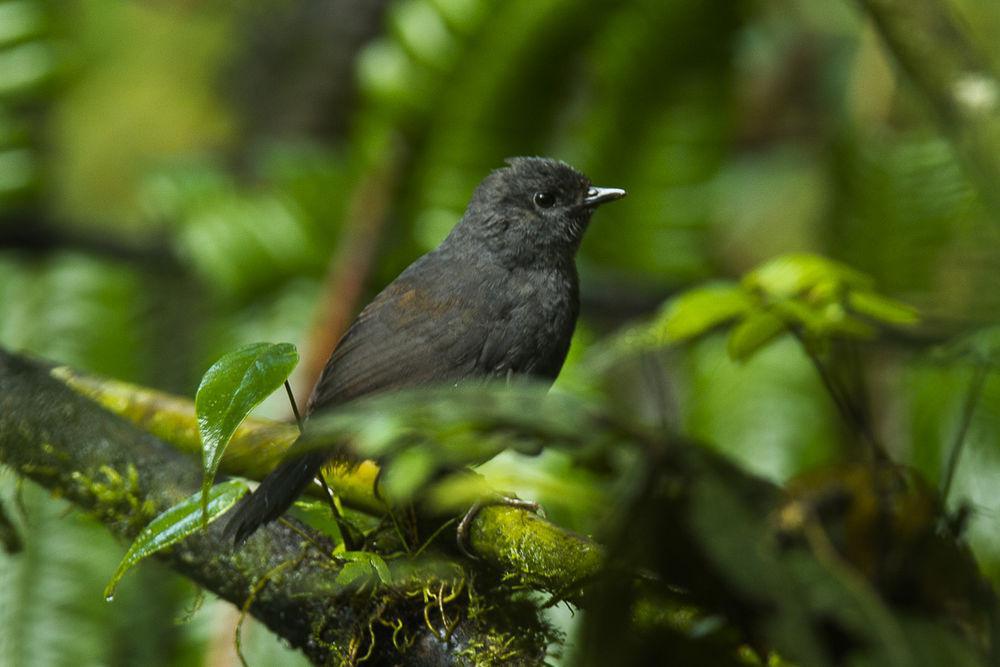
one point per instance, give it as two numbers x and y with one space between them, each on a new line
464 526
390 512
338 516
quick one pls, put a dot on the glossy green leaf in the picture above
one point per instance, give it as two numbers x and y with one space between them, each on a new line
362 563
229 390
754 332
791 275
351 572
381 569
697 311
176 523
882 309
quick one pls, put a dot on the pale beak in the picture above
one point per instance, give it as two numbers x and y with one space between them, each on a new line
597 196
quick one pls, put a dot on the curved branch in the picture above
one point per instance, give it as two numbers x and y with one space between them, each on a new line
511 540
124 476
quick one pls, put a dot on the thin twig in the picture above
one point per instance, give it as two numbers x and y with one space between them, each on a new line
338 516
850 411
295 407
10 537
968 410
656 382
860 386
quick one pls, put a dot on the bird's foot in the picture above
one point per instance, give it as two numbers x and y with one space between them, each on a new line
465 525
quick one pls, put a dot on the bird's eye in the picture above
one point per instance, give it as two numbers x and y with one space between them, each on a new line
544 199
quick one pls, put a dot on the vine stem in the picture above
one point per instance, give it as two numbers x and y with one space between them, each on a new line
856 416
976 385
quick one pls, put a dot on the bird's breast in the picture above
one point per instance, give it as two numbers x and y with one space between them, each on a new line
539 325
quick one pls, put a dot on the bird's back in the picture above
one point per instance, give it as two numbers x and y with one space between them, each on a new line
449 319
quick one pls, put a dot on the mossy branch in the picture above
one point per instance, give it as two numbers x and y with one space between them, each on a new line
124 476
512 540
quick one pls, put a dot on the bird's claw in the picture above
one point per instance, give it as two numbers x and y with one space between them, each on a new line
464 526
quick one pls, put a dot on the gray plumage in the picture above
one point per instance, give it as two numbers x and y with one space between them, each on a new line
498 297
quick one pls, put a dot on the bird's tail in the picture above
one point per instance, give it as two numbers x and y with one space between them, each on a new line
275 494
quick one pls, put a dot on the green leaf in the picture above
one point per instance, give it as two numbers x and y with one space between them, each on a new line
981 347
791 275
229 390
822 322
407 472
319 515
362 563
754 332
174 524
882 308
460 426
798 314
381 569
351 572
697 311
457 493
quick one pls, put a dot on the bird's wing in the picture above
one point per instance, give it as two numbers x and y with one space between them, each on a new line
409 335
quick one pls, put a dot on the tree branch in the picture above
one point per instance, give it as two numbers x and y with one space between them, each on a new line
125 476
511 540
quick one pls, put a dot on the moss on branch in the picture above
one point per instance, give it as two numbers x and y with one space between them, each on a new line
514 541
285 575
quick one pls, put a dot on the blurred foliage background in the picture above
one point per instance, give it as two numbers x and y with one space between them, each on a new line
179 178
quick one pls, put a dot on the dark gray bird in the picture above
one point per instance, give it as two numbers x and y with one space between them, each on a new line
498 297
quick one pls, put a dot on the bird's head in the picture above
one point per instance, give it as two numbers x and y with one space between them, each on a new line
534 210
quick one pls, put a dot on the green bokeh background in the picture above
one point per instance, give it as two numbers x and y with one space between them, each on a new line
176 176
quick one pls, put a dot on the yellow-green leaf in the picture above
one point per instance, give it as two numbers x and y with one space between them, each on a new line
408 472
351 572
174 524
697 311
754 332
362 563
791 275
882 308
381 569
801 315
